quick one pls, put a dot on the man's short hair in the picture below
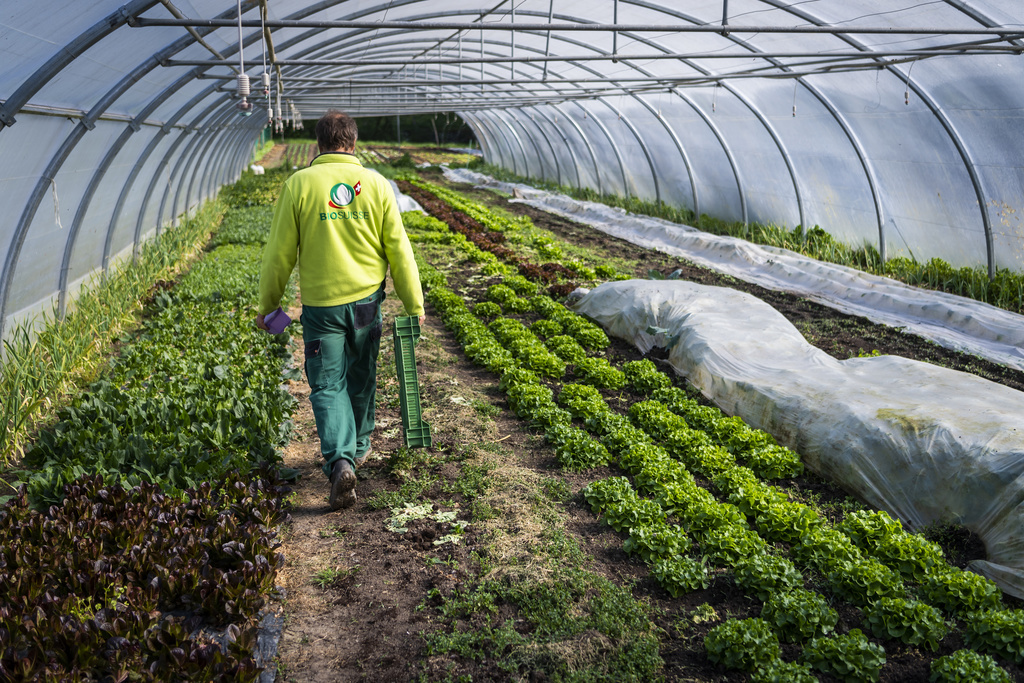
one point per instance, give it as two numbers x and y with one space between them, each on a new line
336 130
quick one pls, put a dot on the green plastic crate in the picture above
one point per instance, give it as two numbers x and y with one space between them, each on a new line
407 333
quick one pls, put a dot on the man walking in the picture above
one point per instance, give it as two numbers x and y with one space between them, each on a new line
341 222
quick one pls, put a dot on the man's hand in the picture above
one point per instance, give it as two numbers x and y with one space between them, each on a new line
261 324
423 319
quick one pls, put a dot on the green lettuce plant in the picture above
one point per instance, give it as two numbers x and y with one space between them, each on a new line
575 450
779 671
967 666
767 575
486 309
566 348
681 575
850 658
521 285
728 544
644 376
910 621
959 591
865 581
798 615
582 400
600 373
657 541
546 329
997 632
745 644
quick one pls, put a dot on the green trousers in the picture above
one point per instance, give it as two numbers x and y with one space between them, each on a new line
341 345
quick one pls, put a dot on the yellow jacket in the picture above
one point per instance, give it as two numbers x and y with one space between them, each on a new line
341 222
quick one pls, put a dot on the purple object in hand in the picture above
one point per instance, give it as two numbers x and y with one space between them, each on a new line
276 321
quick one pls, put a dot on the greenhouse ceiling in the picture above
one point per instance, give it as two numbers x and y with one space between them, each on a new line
894 124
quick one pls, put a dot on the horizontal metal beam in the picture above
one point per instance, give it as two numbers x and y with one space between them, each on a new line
142 22
420 61
68 113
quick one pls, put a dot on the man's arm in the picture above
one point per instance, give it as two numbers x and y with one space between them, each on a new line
404 272
279 255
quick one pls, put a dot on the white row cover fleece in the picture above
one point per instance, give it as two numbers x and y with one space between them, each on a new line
952 321
922 442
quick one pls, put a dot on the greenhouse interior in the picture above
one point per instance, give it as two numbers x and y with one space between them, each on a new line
699 357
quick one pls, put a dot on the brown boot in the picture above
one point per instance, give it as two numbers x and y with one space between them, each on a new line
343 485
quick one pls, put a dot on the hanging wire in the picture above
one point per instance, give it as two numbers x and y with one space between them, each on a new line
906 91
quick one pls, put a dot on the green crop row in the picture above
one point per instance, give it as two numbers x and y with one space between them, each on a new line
160 490
1005 290
724 530
46 358
482 214
522 231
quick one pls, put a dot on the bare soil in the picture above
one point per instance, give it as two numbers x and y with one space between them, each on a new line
358 597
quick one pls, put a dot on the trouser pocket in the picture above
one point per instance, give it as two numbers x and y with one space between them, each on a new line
314 362
366 314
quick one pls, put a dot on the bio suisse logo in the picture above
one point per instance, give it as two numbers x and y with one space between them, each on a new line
344 194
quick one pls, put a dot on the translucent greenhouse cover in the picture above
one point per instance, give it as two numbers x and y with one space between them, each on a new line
952 321
889 123
922 442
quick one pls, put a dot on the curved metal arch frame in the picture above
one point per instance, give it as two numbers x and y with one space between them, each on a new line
216 170
478 132
547 140
213 135
36 82
233 163
572 153
519 143
946 124
137 168
633 130
191 149
158 171
597 168
586 141
533 142
489 145
498 139
783 151
841 120
94 182
225 162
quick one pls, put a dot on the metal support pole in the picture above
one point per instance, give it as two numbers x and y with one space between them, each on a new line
547 44
615 34
512 37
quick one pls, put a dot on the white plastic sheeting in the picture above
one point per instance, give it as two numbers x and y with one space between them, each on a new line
405 202
922 442
949 320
